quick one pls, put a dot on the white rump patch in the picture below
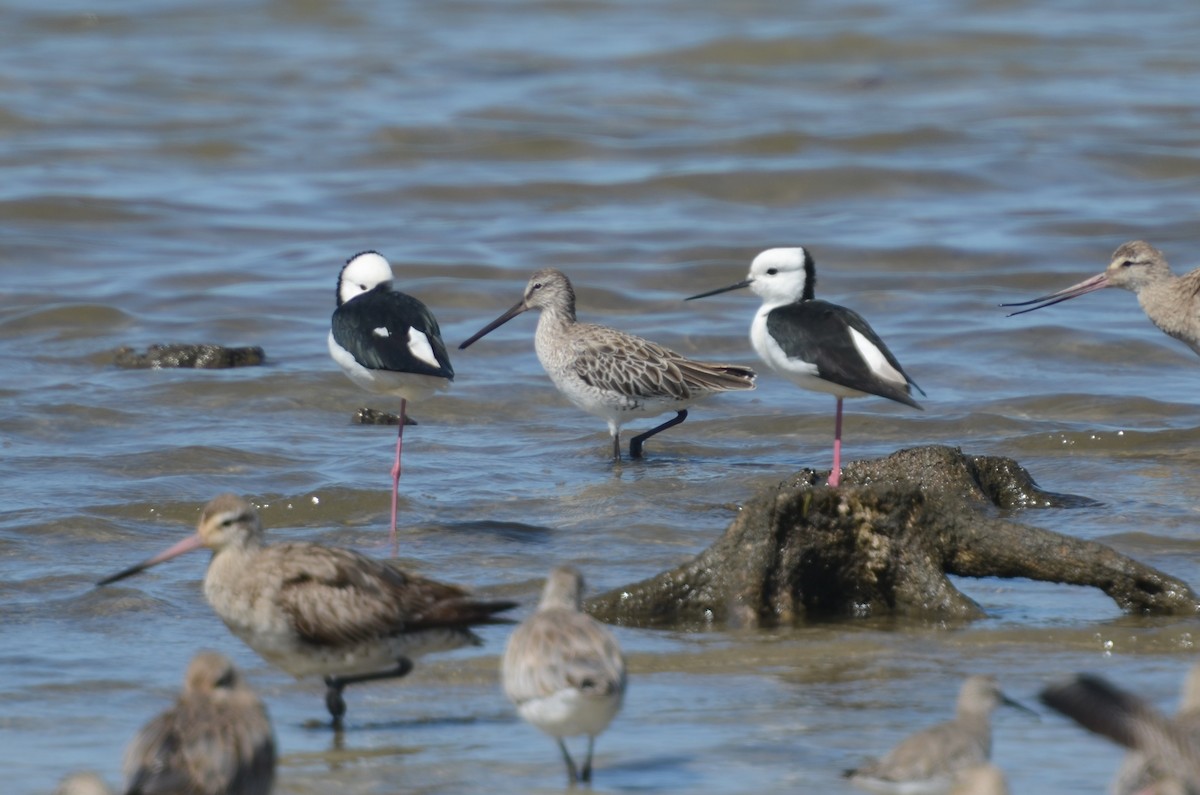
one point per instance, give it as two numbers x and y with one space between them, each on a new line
875 359
381 332
418 346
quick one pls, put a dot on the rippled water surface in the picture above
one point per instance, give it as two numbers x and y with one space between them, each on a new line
176 171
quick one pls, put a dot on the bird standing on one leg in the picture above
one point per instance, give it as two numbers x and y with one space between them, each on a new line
611 374
564 670
817 345
386 342
315 610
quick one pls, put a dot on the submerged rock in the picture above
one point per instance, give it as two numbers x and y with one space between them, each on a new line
369 416
882 543
203 357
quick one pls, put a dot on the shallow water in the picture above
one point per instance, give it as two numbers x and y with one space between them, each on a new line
197 172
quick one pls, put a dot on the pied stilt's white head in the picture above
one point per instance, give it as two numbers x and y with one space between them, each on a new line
778 276
783 275
362 273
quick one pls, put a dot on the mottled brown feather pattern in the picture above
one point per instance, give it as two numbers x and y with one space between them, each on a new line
337 596
614 361
215 740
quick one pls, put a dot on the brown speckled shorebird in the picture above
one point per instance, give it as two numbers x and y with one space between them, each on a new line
1171 302
931 760
215 740
611 374
315 610
1165 752
564 670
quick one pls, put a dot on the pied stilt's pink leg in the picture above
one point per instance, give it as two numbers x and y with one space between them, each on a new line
396 468
836 473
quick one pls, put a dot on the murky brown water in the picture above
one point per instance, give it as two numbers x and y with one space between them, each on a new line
182 171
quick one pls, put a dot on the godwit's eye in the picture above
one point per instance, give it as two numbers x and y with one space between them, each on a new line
537 286
772 271
1127 263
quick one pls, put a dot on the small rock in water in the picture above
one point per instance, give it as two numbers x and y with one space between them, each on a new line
368 416
202 357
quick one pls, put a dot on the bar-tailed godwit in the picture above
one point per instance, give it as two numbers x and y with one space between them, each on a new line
609 373
931 760
215 740
1171 302
564 670
315 610
1164 756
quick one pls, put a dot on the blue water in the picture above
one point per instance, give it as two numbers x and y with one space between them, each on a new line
198 172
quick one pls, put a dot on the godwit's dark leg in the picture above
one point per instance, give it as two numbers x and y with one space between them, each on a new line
635 444
396 467
585 775
616 445
836 473
335 684
572 773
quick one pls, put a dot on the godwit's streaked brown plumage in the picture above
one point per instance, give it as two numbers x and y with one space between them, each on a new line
317 610
930 760
215 740
1165 752
612 374
1171 302
564 670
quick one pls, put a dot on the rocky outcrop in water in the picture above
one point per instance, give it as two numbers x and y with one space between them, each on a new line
882 544
201 357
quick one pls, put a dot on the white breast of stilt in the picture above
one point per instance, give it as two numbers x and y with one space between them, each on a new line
804 374
411 386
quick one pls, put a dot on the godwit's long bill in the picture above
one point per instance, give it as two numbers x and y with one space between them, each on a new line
564 670
315 610
931 760
215 740
387 342
817 345
1171 302
612 374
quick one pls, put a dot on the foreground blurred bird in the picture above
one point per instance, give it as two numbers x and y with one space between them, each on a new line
386 342
315 610
564 670
817 345
215 740
611 374
1165 758
82 784
1171 302
934 760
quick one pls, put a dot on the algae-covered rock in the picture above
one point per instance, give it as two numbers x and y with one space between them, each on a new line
882 543
198 356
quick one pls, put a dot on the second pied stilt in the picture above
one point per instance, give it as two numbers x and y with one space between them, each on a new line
818 345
